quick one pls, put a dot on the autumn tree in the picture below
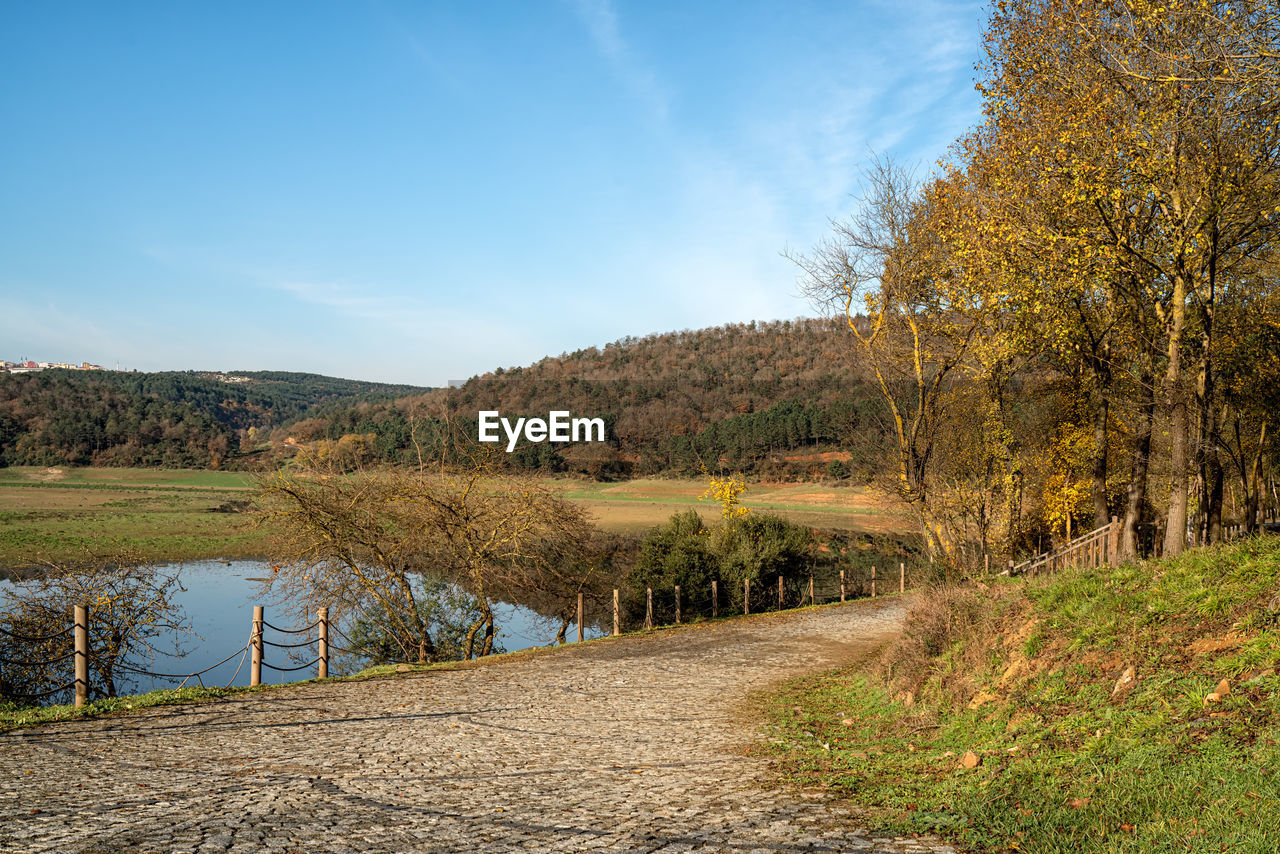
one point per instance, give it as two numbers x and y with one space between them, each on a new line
890 273
1168 136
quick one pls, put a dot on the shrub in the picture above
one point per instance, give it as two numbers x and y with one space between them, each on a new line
757 546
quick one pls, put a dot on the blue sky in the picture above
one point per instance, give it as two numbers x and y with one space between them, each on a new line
422 191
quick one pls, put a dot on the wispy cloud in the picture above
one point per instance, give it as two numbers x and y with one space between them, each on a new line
601 20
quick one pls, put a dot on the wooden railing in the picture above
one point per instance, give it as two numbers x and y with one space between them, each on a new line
1099 547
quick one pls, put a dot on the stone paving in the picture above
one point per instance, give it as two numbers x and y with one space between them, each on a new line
632 744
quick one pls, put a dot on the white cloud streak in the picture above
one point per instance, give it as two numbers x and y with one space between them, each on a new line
601 20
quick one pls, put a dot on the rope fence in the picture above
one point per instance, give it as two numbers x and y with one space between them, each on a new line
346 650
242 651
43 663
300 631
311 663
772 593
33 639
773 596
83 654
41 694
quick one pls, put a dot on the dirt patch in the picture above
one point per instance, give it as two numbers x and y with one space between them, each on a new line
822 457
1210 645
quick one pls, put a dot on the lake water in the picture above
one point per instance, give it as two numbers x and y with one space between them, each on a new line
218 599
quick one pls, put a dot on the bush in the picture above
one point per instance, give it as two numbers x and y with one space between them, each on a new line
684 552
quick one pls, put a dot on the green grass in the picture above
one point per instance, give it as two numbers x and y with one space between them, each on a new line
12 716
1065 767
65 514
120 477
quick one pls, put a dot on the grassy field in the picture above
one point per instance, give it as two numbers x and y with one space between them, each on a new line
61 514
1027 680
637 505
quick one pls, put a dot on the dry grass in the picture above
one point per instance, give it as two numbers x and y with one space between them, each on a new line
636 505
56 513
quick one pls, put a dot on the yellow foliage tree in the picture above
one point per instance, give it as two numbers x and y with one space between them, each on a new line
728 492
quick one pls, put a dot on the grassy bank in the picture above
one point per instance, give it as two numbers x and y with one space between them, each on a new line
1029 677
60 514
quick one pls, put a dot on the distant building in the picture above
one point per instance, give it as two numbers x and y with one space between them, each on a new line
24 366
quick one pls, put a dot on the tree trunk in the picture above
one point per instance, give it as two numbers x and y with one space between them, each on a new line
471 638
1014 510
1137 491
1215 499
1175 532
1208 463
1253 487
1101 513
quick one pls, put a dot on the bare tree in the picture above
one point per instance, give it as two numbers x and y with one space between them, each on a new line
366 540
885 271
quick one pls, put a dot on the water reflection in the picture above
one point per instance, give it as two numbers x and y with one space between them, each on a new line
218 598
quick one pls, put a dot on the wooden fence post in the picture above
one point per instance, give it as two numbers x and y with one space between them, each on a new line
746 595
648 608
82 654
255 655
322 643
715 599
677 604
779 591
617 613
873 582
581 632
842 585
811 600
902 577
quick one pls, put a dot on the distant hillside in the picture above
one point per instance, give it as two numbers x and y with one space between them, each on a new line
172 419
769 398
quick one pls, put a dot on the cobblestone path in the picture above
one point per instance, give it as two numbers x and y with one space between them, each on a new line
632 744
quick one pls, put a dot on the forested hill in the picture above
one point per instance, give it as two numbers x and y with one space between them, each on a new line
174 419
765 397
